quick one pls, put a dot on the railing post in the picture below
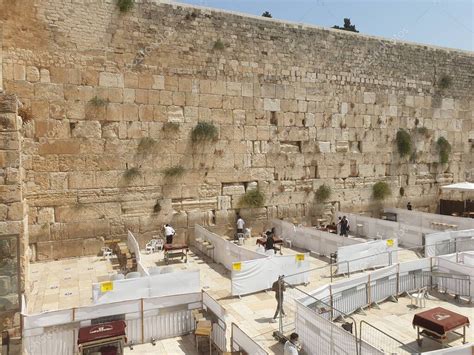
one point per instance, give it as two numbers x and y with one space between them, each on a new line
348 269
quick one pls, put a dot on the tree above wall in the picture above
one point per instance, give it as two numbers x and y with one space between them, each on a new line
347 26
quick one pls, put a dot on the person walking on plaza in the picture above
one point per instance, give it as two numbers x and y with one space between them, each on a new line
291 346
279 288
169 234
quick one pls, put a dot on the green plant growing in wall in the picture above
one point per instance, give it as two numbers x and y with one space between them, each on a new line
131 174
157 207
381 190
171 127
218 45
146 146
98 102
323 193
445 82
423 131
444 149
174 171
204 131
253 198
125 5
402 191
404 144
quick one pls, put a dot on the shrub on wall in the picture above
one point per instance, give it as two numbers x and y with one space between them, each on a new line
404 144
98 102
174 171
444 148
171 127
444 82
218 45
130 174
323 193
381 190
252 199
146 145
125 5
204 131
157 207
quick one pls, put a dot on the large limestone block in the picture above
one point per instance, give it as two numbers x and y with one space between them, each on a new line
324 147
111 80
271 105
369 97
87 129
233 190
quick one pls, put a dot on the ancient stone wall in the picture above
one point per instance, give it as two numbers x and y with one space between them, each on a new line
115 96
13 216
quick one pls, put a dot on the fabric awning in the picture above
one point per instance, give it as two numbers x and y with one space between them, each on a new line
460 186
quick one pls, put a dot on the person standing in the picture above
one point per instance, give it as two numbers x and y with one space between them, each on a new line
338 226
169 234
279 288
240 224
291 345
409 207
269 244
344 227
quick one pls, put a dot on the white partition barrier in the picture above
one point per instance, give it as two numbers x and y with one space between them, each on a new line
258 275
320 336
449 242
453 285
408 235
242 342
148 286
163 317
375 253
312 239
425 220
468 259
219 329
225 252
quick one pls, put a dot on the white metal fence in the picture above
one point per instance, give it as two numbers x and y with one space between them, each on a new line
243 342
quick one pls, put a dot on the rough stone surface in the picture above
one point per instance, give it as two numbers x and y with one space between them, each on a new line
294 107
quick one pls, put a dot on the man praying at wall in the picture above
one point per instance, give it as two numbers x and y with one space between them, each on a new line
169 233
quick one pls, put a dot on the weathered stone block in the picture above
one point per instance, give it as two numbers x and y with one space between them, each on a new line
115 80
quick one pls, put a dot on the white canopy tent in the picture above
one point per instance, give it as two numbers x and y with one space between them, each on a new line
460 186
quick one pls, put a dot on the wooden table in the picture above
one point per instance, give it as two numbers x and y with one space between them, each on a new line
173 251
437 323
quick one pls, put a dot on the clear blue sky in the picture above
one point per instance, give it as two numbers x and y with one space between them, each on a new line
446 23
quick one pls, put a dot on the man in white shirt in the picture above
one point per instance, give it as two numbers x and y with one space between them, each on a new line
169 233
291 346
240 224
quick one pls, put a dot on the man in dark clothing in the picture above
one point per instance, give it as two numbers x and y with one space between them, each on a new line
409 206
344 226
270 241
279 288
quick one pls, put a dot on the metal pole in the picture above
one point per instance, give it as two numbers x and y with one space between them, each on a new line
143 326
280 303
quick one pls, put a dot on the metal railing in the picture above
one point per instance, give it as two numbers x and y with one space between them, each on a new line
382 340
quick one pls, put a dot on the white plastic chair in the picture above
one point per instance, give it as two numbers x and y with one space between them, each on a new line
106 252
159 244
418 298
150 247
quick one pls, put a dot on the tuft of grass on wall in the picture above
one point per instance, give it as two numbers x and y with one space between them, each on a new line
131 174
423 131
381 190
157 207
174 171
404 144
218 45
171 127
125 5
445 82
25 114
252 199
146 145
98 102
444 149
323 193
204 131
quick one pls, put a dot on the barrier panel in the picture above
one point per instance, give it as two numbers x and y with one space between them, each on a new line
219 328
242 342
425 220
147 286
409 235
258 275
225 252
312 239
321 336
370 254
467 349
160 317
449 242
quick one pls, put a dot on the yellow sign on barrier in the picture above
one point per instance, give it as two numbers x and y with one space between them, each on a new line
390 242
236 266
106 286
299 257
